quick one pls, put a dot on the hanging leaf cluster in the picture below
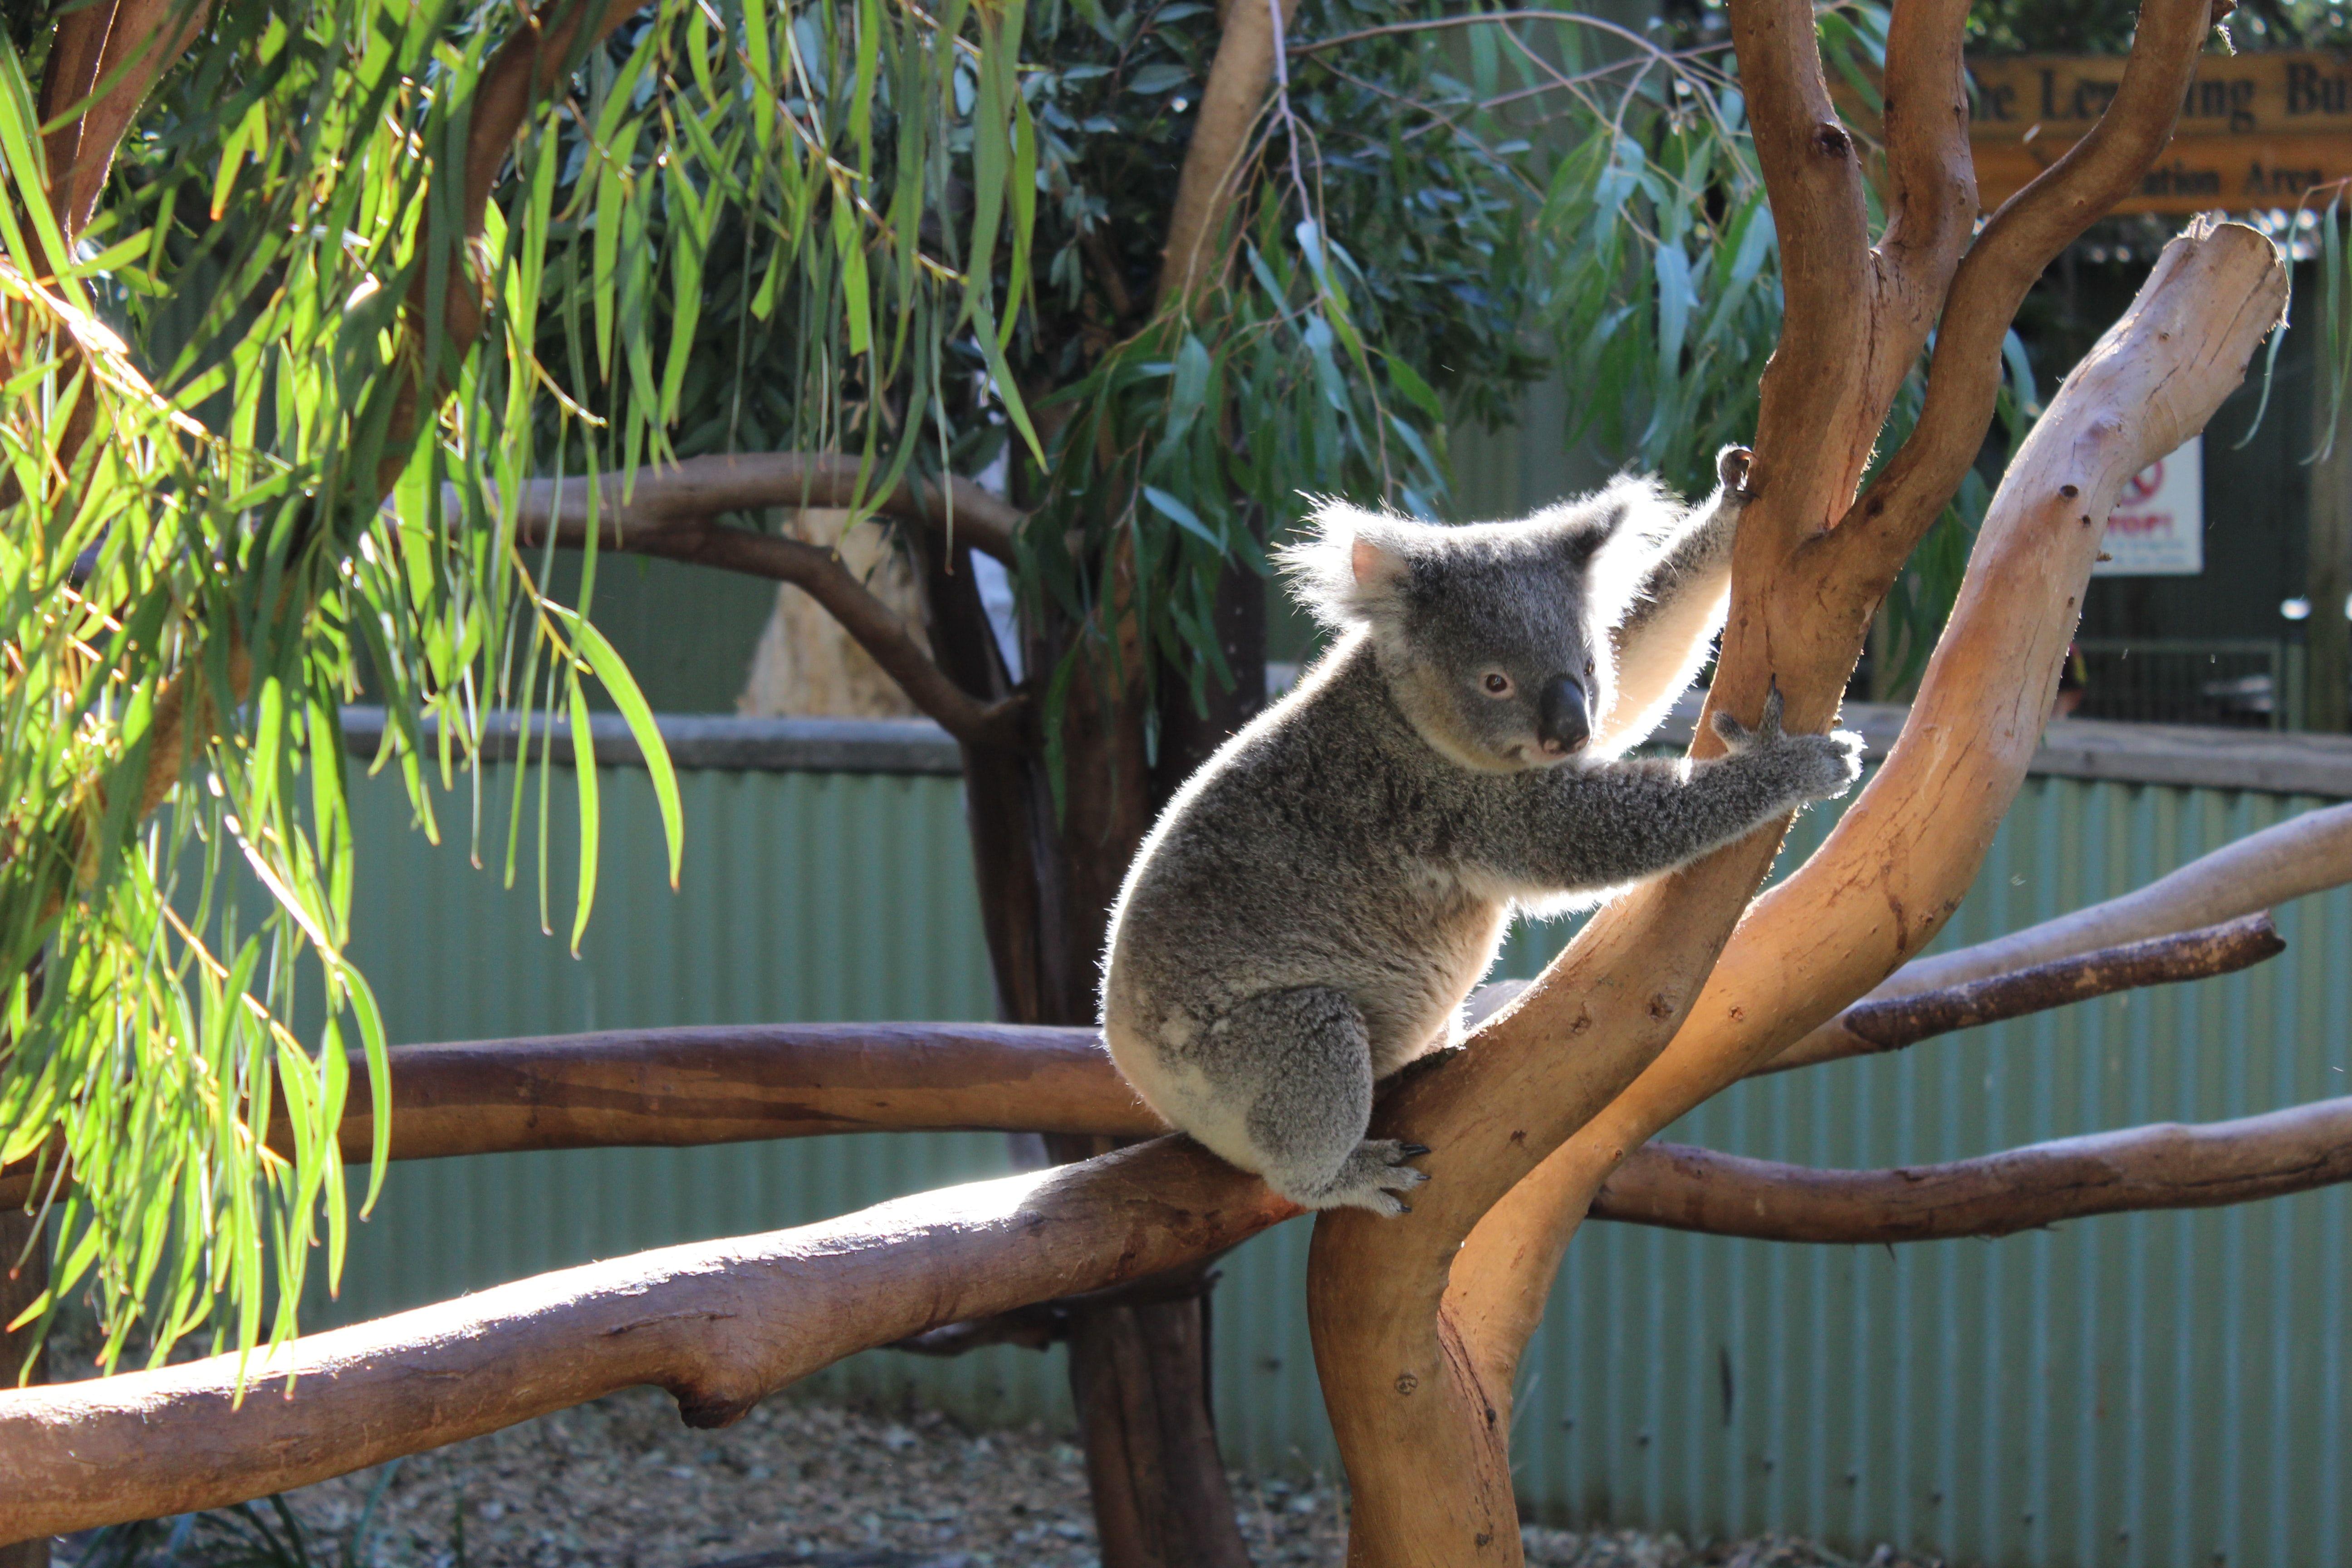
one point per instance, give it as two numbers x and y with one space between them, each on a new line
258 465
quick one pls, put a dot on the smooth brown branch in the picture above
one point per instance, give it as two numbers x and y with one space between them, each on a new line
1931 203
105 56
2167 1166
700 1084
719 1324
701 489
1210 181
718 1084
728 1084
2290 860
826 577
1889 1023
2020 241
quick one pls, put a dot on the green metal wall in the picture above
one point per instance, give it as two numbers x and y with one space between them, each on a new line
2162 1390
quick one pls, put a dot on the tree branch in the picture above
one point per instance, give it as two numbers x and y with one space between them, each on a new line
2293 859
823 576
1901 858
719 1324
1892 1022
105 56
700 1084
1210 181
726 1084
2020 241
2168 1166
699 488
1932 189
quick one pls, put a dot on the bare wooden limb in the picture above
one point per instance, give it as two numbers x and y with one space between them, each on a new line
106 56
1891 1023
2159 1167
1210 181
24 1276
1931 206
1886 523
719 1324
1899 860
695 1086
1812 168
699 488
2290 860
823 575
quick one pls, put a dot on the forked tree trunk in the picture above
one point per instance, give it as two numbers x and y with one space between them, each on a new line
1139 1370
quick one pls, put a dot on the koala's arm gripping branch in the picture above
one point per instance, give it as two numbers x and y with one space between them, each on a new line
1615 823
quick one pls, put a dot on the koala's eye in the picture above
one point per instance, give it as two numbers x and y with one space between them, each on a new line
1588 669
1496 683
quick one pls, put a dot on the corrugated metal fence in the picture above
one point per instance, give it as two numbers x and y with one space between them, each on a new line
2161 1390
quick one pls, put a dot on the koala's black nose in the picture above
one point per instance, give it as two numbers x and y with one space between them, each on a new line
1561 723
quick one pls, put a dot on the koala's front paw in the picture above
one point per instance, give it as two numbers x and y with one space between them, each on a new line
1802 767
1373 1176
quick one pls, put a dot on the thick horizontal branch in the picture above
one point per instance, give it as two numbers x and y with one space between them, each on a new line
1889 1023
701 489
733 1084
687 1087
719 1325
2169 1167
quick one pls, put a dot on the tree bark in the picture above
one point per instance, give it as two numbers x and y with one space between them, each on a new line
1049 869
2156 1167
19 1288
2276 866
1419 1322
719 1324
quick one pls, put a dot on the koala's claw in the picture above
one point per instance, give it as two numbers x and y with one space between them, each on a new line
1739 737
1373 1176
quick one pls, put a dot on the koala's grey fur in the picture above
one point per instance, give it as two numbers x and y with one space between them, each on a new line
1309 912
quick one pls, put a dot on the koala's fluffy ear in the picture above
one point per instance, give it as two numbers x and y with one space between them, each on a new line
1353 565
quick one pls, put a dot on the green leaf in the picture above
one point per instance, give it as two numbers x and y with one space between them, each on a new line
631 701
583 770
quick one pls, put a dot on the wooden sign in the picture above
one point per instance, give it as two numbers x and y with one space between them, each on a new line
2231 95
2256 131
2196 173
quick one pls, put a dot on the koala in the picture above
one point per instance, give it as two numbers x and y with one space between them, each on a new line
1310 911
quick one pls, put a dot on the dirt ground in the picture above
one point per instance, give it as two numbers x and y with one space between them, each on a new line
621 1484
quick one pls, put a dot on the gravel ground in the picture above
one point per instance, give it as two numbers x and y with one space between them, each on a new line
621 1484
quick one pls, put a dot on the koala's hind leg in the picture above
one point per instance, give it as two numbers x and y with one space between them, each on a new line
1300 1061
